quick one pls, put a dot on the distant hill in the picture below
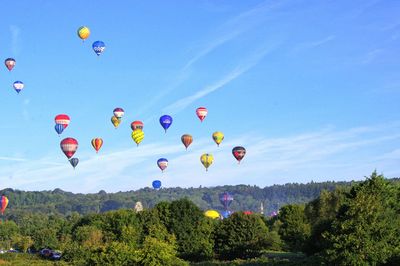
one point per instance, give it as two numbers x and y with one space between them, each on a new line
245 198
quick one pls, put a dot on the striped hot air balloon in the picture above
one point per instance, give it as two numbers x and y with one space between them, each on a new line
119 112
83 32
115 121
186 140
18 86
137 136
162 164
97 143
201 113
69 146
62 119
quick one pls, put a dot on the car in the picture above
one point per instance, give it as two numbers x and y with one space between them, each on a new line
55 255
46 252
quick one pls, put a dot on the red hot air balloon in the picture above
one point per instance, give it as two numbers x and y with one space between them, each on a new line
201 113
239 152
3 204
10 63
69 146
119 112
137 125
62 119
97 143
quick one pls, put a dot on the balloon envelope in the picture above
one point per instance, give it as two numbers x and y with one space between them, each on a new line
10 63
98 47
206 159
137 136
115 121
74 162
218 137
225 214
18 86
83 32
119 112
201 113
165 121
186 140
225 199
62 119
162 163
59 128
213 214
137 125
3 204
156 184
97 143
239 152
69 146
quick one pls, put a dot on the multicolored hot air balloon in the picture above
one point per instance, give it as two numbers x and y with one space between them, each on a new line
156 184
74 162
165 122
83 32
115 121
137 136
3 204
213 214
98 47
62 119
239 152
187 140
218 137
119 112
201 113
206 159
97 143
162 164
59 128
69 146
18 86
10 63
225 199
137 125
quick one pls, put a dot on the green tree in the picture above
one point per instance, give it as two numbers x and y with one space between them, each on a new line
8 231
367 227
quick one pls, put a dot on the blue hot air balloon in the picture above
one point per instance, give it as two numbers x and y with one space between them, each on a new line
165 122
18 86
59 128
156 184
74 162
98 47
162 163
225 199
225 214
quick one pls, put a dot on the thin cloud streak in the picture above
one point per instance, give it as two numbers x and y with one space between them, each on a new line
15 36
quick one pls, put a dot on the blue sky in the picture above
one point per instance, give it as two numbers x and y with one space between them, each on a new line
310 88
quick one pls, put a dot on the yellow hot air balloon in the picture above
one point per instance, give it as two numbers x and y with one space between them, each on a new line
212 214
137 136
218 137
83 32
115 121
207 159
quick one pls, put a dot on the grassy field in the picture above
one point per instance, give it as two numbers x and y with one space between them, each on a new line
19 259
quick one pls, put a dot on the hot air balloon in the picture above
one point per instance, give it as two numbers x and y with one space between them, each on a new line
186 140
156 184
119 112
218 137
137 125
165 122
3 204
18 86
225 214
98 47
62 119
239 152
83 32
69 146
206 159
201 113
10 63
162 164
247 212
74 162
59 128
97 143
115 121
213 214
137 136
225 199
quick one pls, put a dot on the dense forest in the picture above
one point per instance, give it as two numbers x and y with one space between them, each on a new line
245 198
345 224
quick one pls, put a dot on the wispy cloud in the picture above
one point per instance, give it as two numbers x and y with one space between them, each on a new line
234 74
313 44
325 154
371 56
3 158
15 39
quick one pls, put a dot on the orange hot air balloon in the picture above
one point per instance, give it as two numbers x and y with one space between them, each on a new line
137 125
201 113
3 204
97 143
186 140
